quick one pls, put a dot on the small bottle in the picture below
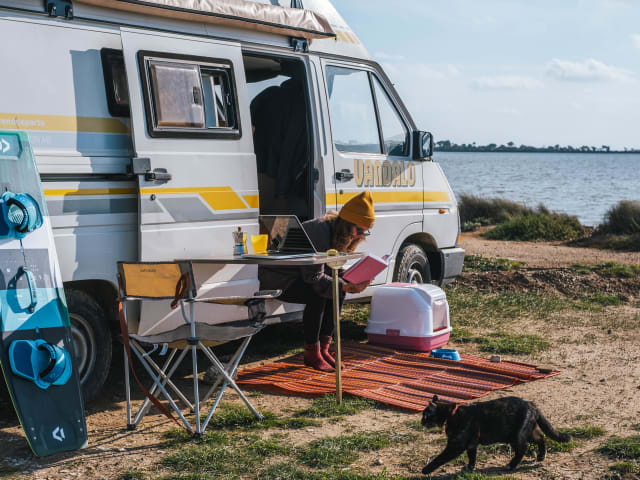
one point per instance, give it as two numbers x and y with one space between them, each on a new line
238 244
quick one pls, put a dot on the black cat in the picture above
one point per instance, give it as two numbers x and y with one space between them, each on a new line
509 420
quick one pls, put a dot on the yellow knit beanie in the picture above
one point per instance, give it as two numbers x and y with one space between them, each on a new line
359 210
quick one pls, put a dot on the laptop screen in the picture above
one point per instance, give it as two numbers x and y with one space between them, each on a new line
286 235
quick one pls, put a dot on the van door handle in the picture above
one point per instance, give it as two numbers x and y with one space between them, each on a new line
142 167
344 175
158 175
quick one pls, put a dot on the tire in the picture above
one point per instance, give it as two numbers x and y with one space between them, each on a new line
412 265
91 339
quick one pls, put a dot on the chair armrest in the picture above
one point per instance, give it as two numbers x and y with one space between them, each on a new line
241 301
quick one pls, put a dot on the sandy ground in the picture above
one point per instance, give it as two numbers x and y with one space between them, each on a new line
597 352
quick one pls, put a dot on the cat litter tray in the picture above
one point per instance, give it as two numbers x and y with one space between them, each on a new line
409 316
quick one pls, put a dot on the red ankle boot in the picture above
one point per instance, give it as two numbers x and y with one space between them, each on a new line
313 358
325 342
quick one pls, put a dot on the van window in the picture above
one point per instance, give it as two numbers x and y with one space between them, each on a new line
395 135
353 116
115 82
189 99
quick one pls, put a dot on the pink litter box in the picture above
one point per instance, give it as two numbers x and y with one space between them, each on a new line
409 316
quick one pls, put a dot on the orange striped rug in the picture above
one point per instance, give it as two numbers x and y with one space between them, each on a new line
403 379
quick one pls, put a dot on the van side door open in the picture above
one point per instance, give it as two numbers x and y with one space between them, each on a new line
192 138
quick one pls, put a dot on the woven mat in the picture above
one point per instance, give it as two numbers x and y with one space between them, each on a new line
403 379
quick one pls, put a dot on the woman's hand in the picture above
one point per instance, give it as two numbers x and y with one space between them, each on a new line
354 287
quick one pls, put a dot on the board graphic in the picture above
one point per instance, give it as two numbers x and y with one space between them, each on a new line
36 351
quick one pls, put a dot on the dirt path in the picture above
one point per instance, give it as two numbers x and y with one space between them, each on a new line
543 254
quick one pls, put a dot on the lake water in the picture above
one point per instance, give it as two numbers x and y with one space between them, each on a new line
585 185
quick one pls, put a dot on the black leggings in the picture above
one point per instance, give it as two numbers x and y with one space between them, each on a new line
317 318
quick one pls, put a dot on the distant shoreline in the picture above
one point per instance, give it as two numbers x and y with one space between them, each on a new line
539 150
510 147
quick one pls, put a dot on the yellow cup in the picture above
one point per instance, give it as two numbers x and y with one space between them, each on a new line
259 243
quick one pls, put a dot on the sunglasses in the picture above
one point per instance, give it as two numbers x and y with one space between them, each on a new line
362 232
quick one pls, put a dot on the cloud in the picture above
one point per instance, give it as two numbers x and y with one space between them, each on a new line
401 70
588 71
484 20
388 57
506 82
635 38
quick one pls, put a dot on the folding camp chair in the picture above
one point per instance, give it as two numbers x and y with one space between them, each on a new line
174 283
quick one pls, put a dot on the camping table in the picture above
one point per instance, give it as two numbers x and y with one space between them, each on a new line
334 262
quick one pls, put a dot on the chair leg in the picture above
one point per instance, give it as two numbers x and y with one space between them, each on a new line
214 360
166 380
127 391
196 392
157 381
231 366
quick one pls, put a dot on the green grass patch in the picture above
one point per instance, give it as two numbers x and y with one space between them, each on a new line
293 471
608 269
476 309
233 416
518 344
234 456
584 433
480 476
343 450
603 300
327 406
608 241
624 448
539 225
507 343
626 468
476 263
133 475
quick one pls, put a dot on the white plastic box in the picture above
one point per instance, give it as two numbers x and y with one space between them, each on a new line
409 316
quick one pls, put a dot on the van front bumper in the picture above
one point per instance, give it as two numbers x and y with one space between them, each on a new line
452 261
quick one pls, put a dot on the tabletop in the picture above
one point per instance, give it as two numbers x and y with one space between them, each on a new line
279 262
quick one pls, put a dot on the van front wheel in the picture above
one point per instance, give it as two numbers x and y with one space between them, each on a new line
91 341
412 265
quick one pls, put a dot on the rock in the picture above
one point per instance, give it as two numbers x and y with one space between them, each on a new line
378 461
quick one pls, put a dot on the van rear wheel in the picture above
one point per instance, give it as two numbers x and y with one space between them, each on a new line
412 265
91 341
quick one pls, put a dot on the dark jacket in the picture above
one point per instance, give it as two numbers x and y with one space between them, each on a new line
318 276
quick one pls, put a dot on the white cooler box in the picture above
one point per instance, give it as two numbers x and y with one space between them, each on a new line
409 316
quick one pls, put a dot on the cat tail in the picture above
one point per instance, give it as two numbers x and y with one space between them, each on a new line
551 432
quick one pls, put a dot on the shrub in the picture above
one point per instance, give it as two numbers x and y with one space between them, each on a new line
487 211
622 219
540 225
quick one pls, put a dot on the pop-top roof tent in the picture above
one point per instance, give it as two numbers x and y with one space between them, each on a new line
294 22
316 21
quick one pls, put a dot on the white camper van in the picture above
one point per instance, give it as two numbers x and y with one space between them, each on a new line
161 126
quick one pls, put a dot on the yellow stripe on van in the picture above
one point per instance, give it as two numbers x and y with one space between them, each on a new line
252 200
218 198
415 196
61 123
64 192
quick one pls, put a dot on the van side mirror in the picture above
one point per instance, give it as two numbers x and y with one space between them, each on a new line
422 144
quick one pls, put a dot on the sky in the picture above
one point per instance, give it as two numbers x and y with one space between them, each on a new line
533 72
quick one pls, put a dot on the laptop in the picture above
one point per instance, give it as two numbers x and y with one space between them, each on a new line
286 238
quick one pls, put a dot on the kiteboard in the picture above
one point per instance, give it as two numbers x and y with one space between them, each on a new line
36 351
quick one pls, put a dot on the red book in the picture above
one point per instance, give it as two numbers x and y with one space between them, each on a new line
366 268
